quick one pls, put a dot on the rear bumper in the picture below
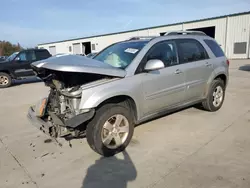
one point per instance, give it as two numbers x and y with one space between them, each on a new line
42 125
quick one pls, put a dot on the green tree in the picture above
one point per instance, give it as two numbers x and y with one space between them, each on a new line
7 48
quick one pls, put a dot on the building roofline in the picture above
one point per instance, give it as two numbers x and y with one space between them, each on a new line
121 32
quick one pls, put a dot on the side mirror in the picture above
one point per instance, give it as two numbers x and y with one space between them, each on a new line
154 64
17 58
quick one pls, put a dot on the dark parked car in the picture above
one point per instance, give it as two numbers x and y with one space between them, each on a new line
17 65
2 58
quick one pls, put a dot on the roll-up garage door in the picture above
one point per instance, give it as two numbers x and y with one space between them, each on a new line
77 48
52 50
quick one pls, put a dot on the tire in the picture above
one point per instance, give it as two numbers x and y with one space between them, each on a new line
5 80
95 129
209 104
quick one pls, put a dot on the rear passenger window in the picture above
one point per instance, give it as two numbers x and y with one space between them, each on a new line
215 48
31 55
190 50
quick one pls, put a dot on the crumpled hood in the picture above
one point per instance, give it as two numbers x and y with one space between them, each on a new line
77 63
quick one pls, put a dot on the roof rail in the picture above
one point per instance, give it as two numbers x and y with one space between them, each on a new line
190 32
142 37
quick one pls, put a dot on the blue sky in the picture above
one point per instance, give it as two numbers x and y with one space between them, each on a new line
30 22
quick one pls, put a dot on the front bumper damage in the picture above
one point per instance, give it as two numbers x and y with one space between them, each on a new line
57 127
42 125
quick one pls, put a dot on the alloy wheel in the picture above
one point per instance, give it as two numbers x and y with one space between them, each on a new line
4 80
217 96
115 131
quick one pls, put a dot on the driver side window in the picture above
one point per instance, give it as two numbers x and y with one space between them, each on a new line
22 56
164 51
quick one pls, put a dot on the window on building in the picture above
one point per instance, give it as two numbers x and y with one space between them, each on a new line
215 48
70 48
93 46
190 50
240 47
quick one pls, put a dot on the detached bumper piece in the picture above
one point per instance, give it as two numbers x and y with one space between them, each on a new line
59 126
43 126
74 121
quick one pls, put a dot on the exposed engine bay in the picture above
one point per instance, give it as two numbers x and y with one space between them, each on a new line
62 108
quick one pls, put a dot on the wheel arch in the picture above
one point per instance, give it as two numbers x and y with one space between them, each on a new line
223 77
7 72
219 75
122 99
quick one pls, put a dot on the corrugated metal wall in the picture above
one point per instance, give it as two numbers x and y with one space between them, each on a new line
228 31
52 50
238 32
220 28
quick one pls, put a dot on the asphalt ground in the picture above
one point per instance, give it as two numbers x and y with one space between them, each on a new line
189 148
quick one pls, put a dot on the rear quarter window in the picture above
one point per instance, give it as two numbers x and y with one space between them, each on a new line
215 48
190 50
42 54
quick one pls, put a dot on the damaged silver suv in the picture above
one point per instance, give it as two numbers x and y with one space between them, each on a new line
127 83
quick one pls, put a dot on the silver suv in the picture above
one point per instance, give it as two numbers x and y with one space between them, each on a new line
128 83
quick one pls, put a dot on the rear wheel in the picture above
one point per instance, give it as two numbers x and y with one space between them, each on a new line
5 80
215 96
111 129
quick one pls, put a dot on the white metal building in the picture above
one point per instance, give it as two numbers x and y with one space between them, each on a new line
232 32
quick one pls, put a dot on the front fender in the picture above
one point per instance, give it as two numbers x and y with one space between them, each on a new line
93 97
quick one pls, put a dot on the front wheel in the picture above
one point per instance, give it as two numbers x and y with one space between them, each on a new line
5 80
215 96
111 129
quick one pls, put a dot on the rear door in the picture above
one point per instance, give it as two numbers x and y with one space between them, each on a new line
197 66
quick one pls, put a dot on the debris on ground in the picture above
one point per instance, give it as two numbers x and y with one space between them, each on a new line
44 155
47 141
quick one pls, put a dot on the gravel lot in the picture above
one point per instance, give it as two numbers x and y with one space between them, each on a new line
190 148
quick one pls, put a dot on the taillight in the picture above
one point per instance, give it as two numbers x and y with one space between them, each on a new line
228 62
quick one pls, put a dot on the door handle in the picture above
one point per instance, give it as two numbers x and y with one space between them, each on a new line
178 71
208 64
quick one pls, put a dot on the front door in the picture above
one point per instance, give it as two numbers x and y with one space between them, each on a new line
22 63
165 87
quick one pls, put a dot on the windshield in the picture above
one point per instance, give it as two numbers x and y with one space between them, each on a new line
91 55
12 56
121 54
